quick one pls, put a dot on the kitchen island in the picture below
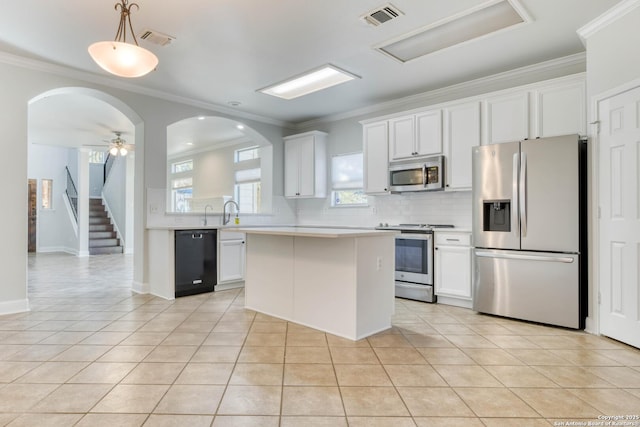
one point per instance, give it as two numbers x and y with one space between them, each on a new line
337 280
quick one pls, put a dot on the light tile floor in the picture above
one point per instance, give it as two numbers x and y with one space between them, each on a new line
92 353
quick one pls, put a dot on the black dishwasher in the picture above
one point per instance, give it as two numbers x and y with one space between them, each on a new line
195 261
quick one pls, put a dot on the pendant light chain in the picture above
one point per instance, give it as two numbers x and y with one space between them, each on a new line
125 16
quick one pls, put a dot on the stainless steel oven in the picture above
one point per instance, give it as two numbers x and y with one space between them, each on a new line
414 261
414 265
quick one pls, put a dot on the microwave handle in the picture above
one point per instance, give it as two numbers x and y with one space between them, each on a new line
424 175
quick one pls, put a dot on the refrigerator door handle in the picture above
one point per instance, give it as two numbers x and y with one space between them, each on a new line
514 209
523 194
565 260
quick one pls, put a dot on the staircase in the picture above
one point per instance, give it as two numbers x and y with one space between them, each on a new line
102 236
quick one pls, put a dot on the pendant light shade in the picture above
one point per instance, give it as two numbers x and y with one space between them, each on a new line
123 59
119 57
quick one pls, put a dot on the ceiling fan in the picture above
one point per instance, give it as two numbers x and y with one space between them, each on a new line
117 146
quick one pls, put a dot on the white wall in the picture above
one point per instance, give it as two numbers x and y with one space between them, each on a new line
54 227
115 194
612 54
96 179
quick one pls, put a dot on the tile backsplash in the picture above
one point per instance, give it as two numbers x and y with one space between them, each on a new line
437 207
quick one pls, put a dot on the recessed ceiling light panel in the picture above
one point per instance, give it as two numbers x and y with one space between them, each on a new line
472 24
309 82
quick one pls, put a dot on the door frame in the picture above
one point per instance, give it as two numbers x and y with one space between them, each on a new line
593 320
33 232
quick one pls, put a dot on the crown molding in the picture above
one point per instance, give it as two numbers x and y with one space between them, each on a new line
607 18
47 67
460 90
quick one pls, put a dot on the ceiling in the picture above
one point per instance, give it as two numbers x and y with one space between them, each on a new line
224 51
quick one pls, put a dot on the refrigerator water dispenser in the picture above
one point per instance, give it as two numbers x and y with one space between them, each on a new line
496 215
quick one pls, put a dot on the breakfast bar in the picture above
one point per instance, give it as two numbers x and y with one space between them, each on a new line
339 281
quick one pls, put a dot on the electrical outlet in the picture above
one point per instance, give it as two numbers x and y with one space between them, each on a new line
379 263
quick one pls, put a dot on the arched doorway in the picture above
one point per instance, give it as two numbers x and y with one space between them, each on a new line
70 132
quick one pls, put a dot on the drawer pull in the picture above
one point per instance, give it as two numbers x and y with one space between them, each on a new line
453 240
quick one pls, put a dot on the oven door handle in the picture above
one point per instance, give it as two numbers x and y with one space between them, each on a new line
415 236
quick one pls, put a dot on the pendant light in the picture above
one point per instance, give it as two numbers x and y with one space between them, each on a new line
119 57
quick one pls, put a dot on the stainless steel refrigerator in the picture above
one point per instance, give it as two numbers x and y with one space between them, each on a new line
529 230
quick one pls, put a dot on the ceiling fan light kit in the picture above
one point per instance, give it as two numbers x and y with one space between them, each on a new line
117 146
119 57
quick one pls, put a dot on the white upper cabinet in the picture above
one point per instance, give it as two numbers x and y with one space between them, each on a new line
429 133
561 109
415 136
462 132
550 108
305 165
402 138
506 118
547 109
376 158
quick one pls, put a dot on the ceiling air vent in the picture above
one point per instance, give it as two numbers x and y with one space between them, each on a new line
382 14
156 37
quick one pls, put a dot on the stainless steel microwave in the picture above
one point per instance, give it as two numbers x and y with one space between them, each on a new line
426 175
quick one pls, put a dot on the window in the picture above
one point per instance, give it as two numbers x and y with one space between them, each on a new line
181 193
247 189
181 185
250 153
183 166
47 194
97 156
346 181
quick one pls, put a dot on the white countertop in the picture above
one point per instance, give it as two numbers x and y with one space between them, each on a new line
323 232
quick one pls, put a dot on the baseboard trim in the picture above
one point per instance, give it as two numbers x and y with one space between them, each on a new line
140 288
58 249
15 306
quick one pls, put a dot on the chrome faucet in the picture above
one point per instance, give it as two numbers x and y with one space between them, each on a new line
205 214
227 217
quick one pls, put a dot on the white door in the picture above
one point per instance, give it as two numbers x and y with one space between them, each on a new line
619 225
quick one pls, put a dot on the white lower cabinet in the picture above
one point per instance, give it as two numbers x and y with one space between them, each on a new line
231 257
453 268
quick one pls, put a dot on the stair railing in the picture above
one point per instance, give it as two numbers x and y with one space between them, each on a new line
72 194
108 164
